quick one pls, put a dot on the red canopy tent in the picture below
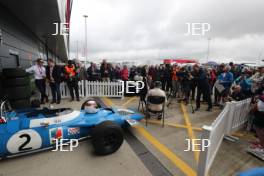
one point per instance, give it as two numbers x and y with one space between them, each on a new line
179 61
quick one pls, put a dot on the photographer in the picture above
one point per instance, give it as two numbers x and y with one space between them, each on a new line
203 87
186 84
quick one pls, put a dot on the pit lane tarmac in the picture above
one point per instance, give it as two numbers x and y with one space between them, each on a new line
168 143
151 150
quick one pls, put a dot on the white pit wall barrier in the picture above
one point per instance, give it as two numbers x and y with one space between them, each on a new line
232 118
93 89
215 134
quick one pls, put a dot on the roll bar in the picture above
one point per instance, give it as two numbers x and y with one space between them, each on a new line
4 106
2 111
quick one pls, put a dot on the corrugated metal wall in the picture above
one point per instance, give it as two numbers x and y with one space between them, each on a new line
19 45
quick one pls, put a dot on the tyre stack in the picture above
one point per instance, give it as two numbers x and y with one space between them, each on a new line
16 85
1 87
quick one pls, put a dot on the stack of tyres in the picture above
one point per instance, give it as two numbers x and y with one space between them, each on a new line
1 87
16 84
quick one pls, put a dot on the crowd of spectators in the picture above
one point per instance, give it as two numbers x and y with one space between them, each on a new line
224 82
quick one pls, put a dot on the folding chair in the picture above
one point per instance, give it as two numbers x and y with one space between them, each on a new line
156 100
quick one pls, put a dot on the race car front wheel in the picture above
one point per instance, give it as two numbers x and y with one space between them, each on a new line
107 137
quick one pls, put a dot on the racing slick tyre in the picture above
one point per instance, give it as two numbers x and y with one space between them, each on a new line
17 93
14 73
13 82
107 137
1 87
20 104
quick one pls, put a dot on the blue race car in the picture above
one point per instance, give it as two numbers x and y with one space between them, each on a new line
32 130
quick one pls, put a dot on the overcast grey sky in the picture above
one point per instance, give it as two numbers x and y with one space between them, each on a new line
146 29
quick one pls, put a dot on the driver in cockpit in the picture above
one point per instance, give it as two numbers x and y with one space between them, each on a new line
91 106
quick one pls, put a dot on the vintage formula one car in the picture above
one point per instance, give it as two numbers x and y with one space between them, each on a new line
32 130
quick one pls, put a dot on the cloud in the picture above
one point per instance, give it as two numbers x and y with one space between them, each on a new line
154 29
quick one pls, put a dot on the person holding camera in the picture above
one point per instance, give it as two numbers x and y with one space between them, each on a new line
203 87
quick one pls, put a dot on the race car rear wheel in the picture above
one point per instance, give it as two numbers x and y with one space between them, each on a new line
107 137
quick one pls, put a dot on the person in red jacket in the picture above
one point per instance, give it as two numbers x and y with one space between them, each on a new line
124 73
212 76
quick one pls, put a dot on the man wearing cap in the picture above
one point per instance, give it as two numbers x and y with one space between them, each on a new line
39 72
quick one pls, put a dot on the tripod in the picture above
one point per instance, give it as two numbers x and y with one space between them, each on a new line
191 104
171 95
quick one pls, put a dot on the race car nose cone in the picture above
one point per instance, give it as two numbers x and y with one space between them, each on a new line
137 116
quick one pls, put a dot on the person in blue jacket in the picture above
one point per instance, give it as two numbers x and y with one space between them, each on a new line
226 79
244 82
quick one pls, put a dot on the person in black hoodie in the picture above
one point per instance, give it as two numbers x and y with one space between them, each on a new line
203 87
53 75
93 72
186 84
105 72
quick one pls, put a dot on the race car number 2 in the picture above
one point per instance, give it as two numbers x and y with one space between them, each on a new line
24 140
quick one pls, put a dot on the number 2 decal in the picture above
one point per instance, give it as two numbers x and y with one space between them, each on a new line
23 146
24 140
